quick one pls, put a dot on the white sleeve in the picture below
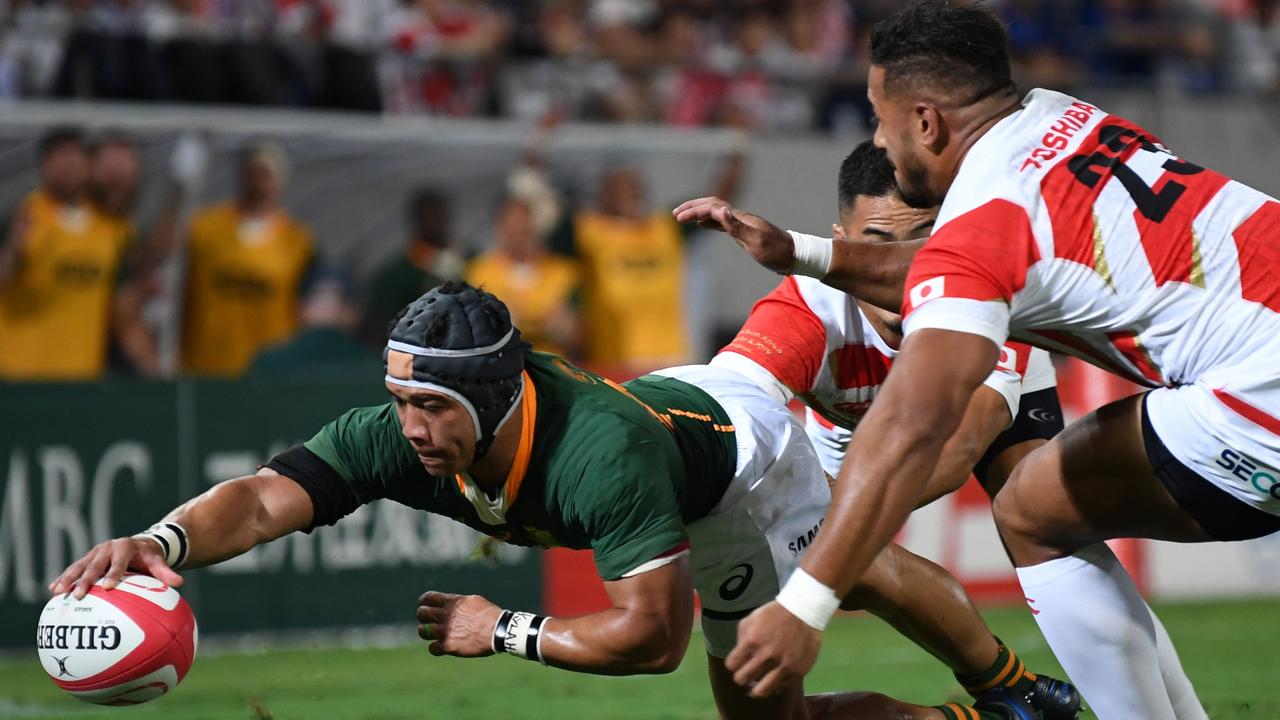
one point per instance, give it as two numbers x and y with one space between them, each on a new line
829 442
752 370
1009 384
988 318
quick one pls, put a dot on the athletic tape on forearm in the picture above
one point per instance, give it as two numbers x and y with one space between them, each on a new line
519 634
172 539
808 599
813 254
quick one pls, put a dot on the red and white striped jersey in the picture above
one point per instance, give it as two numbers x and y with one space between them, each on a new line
1079 232
814 342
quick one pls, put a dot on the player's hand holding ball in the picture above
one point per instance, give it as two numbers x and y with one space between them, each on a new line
108 561
458 625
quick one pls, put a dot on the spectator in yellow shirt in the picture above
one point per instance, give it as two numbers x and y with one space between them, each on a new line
632 258
246 260
58 268
540 288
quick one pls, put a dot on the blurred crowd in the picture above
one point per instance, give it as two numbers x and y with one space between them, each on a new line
601 280
767 65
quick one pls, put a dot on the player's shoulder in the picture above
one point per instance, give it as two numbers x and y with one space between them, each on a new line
584 403
1003 172
819 296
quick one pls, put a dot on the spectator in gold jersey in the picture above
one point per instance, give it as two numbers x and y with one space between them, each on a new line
58 268
633 266
246 261
541 288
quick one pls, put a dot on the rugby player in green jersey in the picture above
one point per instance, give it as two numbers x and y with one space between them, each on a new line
691 478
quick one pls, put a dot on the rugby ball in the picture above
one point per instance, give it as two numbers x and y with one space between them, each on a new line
122 646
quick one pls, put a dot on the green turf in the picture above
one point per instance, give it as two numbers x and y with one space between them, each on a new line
1226 648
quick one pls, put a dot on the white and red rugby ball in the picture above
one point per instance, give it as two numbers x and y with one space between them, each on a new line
123 646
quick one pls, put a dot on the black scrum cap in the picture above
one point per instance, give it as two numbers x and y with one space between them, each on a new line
458 340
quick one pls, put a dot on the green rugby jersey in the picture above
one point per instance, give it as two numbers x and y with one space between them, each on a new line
617 469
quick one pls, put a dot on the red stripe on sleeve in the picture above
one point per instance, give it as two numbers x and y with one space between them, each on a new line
981 255
784 336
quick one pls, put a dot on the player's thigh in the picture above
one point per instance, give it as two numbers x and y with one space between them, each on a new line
733 701
1092 482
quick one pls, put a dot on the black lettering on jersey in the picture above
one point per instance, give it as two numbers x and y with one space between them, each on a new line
1090 169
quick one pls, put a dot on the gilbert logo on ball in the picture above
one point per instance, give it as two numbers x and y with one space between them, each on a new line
118 647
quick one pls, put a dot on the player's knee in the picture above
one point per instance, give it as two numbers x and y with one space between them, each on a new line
1014 516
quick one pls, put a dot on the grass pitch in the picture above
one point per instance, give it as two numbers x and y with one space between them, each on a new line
1226 647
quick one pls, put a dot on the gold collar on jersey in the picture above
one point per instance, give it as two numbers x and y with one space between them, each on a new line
494 512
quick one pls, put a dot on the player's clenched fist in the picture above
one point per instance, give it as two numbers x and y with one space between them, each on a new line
110 560
774 650
459 625
764 242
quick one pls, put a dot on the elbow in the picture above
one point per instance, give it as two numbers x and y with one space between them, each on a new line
663 661
670 654
662 648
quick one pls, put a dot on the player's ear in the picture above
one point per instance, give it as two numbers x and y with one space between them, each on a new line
837 232
928 126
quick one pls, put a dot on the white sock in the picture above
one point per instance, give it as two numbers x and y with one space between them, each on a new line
1102 632
1186 706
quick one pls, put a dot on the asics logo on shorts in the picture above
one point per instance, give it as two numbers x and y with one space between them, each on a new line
1263 479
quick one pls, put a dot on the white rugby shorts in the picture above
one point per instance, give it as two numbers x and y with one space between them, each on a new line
753 539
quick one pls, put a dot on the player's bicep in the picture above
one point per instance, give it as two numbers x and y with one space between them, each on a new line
284 505
657 606
662 589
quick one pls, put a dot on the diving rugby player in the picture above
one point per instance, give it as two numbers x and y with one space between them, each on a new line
691 478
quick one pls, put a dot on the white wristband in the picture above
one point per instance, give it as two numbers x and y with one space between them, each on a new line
812 253
809 600
172 539
520 634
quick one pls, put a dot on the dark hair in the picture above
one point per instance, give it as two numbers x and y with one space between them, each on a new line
112 136
964 50
423 198
866 171
56 137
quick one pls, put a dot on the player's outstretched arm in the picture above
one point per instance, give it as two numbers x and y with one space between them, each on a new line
874 272
896 447
646 630
225 521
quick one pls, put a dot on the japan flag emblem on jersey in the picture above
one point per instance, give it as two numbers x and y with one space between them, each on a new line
1008 359
928 290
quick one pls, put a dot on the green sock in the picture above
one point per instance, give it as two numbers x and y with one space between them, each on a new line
1007 671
